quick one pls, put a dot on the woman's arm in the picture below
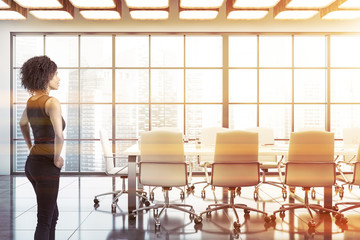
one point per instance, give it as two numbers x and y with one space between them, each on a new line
53 109
25 129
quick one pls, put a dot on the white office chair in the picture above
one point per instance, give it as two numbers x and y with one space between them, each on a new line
111 170
266 137
163 164
235 165
151 190
355 180
310 164
207 141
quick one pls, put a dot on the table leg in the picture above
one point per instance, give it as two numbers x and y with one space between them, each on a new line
328 197
131 183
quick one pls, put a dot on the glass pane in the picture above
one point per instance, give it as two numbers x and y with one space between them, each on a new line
68 90
309 85
63 50
167 115
132 51
242 51
20 155
18 110
270 82
242 116
91 158
167 51
20 94
95 51
345 85
167 85
70 113
344 116
92 118
70 153
201 116
275 51
277 117
204 85
242 85
95 85
203 51
26 47
344 51
131 120
309 116
132 85
121 146
309 51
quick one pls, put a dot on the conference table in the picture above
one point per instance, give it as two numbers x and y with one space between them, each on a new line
195 150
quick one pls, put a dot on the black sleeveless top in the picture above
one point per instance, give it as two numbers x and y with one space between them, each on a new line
41 126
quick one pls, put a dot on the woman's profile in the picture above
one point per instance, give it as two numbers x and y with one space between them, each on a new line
42 114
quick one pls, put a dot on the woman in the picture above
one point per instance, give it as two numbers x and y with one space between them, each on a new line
39 77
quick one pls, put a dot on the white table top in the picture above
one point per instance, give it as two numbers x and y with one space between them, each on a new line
268 150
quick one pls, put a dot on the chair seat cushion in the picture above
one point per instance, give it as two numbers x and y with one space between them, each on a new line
268 165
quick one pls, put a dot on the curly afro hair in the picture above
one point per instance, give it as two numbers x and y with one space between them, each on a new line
36 73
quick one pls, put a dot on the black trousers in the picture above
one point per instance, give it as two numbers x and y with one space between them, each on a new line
44 176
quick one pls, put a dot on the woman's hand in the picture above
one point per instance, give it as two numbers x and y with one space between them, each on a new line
59 162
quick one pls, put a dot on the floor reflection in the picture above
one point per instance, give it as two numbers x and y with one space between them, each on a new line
79 220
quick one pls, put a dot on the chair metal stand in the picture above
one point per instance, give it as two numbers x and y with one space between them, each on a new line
152 194
181 207
116 194
233 206
275 184
315 207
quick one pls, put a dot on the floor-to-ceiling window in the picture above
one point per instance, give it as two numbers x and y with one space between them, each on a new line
129 83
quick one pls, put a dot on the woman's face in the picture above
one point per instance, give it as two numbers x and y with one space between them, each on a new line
54 82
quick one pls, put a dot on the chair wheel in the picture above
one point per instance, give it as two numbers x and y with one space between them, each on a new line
273 218
198 220
238 191
151 197
113 208
203 194
282 215
256 195
267 219
237 225
292 189
157 227
344 220
284 194
132 216
350 187
311 224
338 216
96 201
147 203
313 194
246 211
96 206
182 195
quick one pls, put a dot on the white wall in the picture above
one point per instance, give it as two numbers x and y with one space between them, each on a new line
173 24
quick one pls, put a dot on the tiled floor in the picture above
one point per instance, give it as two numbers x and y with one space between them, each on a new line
79 220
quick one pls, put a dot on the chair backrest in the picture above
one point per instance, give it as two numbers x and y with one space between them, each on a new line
236 159
266 135
351 136
208 140
311 146
162 159
208 135
311 159
107 150
161 146
236 146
